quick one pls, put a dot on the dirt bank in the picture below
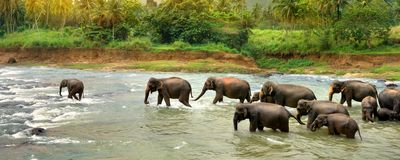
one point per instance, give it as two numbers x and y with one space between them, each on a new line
191 61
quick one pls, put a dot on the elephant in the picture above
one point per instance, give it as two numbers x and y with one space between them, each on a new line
337 124
227 86
169 88
352 90
385 114
286 94
262 115
256 97
313 108
389 98
369 108
74 86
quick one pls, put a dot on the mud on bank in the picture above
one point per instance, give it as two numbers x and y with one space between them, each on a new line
351 65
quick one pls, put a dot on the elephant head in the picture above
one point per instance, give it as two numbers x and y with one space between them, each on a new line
240 114
255 97
64 83
336 87
267 89
208 85
304 106
152 85
320 121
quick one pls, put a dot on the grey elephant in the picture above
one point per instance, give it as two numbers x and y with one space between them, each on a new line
74 87
385 114
262 115
337 124
227 86
286 94
314 108
369 108
169 88
390 98
352 90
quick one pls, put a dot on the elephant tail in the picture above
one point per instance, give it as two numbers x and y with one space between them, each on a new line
191 94
290 115
359 133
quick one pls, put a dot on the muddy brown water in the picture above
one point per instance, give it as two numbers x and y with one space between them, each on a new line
112 122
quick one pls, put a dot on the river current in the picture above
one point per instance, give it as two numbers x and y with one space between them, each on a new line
112 122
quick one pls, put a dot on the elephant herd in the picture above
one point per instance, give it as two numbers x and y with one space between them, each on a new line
270 111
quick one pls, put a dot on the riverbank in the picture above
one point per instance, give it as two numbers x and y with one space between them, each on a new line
349 65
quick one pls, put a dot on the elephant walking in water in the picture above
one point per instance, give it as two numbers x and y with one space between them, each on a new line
231 87
262 115
74 86
285 94
173 87
352 90
337 124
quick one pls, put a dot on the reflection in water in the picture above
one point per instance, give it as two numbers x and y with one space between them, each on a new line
112 122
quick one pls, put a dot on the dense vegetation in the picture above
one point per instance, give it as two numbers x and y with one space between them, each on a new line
282 27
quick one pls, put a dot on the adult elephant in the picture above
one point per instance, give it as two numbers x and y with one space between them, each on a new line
286 94
74 86
314 108
351 90
390 98
262 115
169 88
227 86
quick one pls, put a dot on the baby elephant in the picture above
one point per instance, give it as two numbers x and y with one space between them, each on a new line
262 115
385 114
369 108
256 97
337 124
74 86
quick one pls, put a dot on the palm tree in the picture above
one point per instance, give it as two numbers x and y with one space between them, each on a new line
288 10
34 10
331 7
85 7
62 8
9 13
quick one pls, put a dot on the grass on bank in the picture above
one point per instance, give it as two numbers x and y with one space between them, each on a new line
207 65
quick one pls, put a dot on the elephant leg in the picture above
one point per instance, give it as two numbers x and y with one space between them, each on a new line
166 98
342 99
217 98
184 100
74 95
80 95
221 99
331 130
363 116
348 99
160 98
253 125
241 100
285 128
261 128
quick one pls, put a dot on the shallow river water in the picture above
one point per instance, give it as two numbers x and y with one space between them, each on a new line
111 122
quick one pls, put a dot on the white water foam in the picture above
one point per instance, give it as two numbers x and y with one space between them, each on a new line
183 143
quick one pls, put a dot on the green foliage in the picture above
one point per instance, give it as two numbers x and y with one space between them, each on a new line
284 66
42 38
362 23
137 43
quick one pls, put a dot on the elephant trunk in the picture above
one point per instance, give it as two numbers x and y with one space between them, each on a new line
330 93
146 95
235 122
369 117
313 127
60 90
201 94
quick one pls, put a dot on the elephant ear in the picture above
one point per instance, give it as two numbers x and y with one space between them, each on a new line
212 83
244 112
325 121
160 85
308 107
270 90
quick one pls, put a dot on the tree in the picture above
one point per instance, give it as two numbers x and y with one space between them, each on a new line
332 7
9 13
35 9
363 23
256 12
62 8
288 10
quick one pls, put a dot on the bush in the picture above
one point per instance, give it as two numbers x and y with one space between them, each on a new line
132 44
180 45
97 33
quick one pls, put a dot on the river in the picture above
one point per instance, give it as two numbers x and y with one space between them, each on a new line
112 122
